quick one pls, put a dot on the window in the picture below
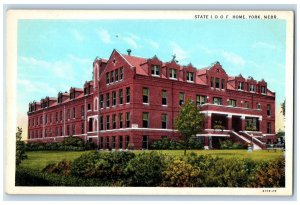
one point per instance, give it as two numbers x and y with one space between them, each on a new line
107 99
145 142
173 73
73 129
61 131
164 121
121 96
107 142
50 132
82 111
114 121
41 120
50 117
145 119
96 104
263 90
101 145
113 142
107 122
155 70
74 112
120 142
223 84
56 116
252 88
101 122
46 119
82 128
217 101
190 76
127 119
181 98
164 97
269 130
217 83
247 105
114 98
121 73
112 75
89 107
117 75
101 101
241 86
200 100
61 115
268 110
107 78
211 82
68 129
145 95
120 120
127 141
258 106
127 95
232 103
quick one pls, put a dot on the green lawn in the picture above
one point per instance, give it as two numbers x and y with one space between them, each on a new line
39 159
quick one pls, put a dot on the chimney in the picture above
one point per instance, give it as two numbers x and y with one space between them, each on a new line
129 51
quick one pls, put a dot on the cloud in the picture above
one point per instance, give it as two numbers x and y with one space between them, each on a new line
264 45
131 42
35 87
153 44
77 35
80 59
180 53
233 58
104 36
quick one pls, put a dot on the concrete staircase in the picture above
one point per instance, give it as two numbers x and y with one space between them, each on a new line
244 139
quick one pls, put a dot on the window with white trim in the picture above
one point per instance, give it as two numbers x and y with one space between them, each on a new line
200 100
241 86
217 101
114 98
164 97
145 119
164 121
173 73
190 76
145 95
155 71
232 103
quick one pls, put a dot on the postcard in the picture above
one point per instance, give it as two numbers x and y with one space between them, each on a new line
140 102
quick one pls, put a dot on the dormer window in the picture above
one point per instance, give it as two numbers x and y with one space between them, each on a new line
223 84
59 99
217 83
72 95
155 70
173 73
107 78
252 88
241 86
263 90
190 76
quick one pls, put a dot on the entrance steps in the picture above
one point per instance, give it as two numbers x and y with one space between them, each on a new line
244 139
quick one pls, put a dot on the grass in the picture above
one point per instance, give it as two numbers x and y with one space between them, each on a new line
39 159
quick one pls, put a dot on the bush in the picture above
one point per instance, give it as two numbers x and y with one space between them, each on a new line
269 174
63 168
145 170
165 144
228 144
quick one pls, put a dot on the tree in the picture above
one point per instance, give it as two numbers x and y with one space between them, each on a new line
189 122
20 147
283 108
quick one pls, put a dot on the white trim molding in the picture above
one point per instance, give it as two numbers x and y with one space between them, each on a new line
209 112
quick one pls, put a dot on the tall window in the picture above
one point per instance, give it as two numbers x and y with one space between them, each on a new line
269 130
121 96
114 98
56 117
252 88
82 111
117 75
211 82
107 122
181 98
50 133
101 101
121 73
61 131
49 117
247 105
95 104
155 70
127 141
101 145
241 86
127 95
223 84
164 97
107 142
263 90
112 75
217 83
68 130
61 115
120 142
268 109
101 122
46 119
232 103
145 119
113 142
73 129
107 99
217 101
107 78
164 121
127 119
173 73
190 76
89 107
258 106
200 100
120 120
74 112
114 121
41 119
68 114
145 95
82 128
145 142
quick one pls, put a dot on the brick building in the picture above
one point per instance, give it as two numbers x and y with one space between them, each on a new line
135 100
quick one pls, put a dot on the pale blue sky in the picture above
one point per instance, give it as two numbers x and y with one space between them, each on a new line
55 55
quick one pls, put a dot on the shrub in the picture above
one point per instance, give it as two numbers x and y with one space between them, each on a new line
269 174
63 168
20 148
145 169
228 144
179 173
165 144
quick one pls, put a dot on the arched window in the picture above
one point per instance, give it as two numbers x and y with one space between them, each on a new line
95 125
96 104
